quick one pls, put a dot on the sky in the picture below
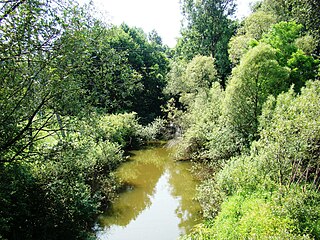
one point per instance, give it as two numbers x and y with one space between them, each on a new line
164 16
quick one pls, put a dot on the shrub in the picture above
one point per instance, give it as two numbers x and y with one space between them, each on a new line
288 150
272 191
120 128
153 130
248 217
210 197
201 119
58 194
301 204
251 218
224 142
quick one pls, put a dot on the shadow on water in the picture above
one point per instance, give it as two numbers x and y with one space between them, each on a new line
158 202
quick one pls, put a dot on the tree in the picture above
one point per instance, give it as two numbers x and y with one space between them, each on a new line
258 23
185 81
147 58
200 73
208 31
258 75
303 68
196 86
121 64
305 12
28 85
109 81
254 26
285 37
30 99
282 37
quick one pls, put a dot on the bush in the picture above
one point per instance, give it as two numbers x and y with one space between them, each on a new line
288 150
301 204
58 194
153 130
201 119
252 217
17 189
248 217
210 197
120 128
224 142
272 192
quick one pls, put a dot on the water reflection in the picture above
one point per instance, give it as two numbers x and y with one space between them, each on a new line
160 203
184 190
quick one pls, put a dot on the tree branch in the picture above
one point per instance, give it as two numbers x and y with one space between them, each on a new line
10 10
9 143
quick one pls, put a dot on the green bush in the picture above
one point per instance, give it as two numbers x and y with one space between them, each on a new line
252 218
120 128
58 194
201 119
17 189
301 204
288 150
224 142
248 217
210 197
272 192
201 231
153 131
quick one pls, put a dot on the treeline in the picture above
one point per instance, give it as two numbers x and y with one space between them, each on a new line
74 92
246 96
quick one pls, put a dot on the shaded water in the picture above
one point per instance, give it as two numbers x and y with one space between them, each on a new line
158 202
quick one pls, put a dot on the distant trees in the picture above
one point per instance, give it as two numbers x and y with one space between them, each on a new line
195 86
196 77
148 58
121 64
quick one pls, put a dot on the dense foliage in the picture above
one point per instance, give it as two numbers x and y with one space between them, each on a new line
254 138
207 31
69 86
273 190
241 97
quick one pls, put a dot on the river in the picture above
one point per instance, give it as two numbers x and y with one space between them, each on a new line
158 202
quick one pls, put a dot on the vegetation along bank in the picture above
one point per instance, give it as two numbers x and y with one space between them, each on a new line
242 97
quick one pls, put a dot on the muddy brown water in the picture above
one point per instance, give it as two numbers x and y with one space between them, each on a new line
158 202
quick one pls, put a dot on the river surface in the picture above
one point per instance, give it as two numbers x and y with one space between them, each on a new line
158 202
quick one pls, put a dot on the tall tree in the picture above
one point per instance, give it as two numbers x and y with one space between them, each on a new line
256 77
28 33
147 57
208 30
254 26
